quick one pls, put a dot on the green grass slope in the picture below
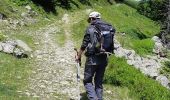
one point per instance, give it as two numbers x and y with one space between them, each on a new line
127 81
14 75
120 74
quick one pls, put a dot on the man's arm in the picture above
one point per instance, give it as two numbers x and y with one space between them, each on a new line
85 43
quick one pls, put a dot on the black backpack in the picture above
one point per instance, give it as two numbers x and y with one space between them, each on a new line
102 38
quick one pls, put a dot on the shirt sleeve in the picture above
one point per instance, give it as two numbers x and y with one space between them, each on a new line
86 40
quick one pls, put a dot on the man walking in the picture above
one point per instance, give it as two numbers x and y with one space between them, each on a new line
94 43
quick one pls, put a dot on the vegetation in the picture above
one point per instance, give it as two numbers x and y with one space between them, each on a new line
154 9
119 73
121 77
2 37
132 3
158 10
13 76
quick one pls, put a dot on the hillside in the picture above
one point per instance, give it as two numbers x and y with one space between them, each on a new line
52 31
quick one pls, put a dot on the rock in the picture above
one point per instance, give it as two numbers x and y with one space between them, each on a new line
130 62
158 47
163 80
23 45
116 44
156 39
8 48
19 53
28 7
24 14
27 93
1 47
65 18
1 16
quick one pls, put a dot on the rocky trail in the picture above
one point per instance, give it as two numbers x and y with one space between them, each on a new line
54 73
54 76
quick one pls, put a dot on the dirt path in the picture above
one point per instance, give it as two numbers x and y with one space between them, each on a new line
54 76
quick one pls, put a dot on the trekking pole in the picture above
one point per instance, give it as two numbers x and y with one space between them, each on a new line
78 75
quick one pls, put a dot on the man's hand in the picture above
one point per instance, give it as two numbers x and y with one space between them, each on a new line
78 57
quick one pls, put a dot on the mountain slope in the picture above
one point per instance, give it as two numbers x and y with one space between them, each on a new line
51 73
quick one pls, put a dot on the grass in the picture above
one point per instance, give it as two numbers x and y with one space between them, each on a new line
117 93
2 37
132 3
119 73
13 76
61 38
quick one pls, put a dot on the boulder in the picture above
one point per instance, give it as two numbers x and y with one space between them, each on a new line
10 47
23 45
163 80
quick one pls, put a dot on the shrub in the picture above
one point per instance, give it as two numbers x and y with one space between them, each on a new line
119 73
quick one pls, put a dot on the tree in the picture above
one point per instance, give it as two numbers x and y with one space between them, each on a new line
158 10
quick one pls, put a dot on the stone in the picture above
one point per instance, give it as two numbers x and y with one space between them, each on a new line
8 48
130 62
28 7
23 45
1 46
27 93
65 18
1 16
24 14
163 80
18 53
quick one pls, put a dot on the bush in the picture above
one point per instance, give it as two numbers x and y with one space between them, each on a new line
119 73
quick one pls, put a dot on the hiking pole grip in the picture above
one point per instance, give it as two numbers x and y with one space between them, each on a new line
79 60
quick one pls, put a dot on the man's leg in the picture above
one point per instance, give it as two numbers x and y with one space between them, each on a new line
88 77
99 80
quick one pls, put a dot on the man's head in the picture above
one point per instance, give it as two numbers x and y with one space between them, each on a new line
93 16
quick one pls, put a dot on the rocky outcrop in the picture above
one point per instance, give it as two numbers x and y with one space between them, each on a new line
149 65
158 47
17 48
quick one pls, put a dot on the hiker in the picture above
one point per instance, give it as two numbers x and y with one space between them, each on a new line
96 46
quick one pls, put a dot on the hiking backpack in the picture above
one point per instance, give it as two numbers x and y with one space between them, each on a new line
102 38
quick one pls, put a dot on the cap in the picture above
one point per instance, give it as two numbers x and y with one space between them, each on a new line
94 15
